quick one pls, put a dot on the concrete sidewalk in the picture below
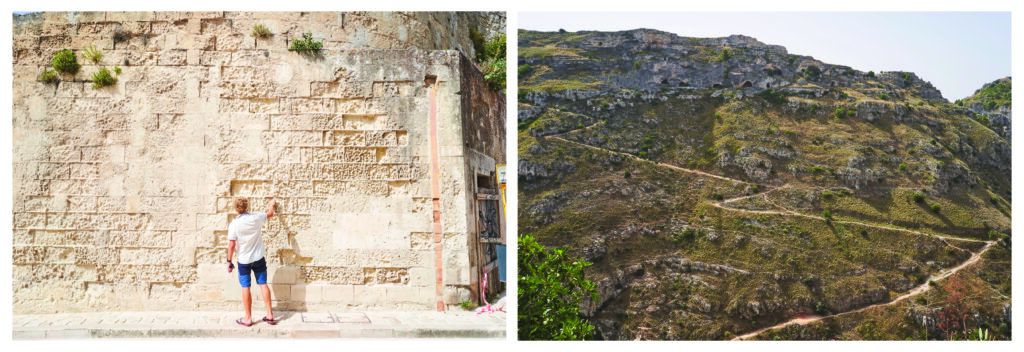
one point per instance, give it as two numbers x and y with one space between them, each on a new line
454 324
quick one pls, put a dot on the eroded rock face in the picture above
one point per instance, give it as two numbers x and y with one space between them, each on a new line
122 194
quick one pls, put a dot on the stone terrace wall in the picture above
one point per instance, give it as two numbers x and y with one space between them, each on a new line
121 194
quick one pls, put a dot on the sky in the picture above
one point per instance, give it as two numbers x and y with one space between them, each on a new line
957 52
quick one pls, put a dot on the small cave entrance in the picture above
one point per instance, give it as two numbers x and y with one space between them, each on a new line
768 85
746 84
664 81
716 85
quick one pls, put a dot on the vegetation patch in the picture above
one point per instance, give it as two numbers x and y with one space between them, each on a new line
65 61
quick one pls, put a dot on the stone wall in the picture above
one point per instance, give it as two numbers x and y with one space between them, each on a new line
121 194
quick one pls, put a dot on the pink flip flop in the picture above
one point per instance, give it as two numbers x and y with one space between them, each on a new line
239 322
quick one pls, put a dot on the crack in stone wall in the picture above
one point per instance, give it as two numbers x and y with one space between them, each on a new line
122 194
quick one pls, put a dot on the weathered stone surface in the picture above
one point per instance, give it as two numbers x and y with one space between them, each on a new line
122 195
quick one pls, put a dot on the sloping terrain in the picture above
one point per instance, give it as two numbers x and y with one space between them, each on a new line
723 186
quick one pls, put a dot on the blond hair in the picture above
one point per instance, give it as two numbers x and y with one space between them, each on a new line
241 205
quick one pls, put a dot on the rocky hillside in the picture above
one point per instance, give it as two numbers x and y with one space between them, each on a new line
991 105
723 185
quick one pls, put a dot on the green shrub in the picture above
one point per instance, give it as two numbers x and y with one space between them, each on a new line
466 305
827 215
724 55
495 75
919 198
260 31
994 200
579 125
102 78
772 96
903 166
812 72
936 207
994 235
92 54
636 65
809 281
686 237
47 76
65 61
491 56
306 45
628 174
719 197
826 195
551 288
842 112
117 70
642 154
871 74
821 308
818 169
525 70
883 96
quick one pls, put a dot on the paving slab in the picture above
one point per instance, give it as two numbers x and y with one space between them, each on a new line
214 324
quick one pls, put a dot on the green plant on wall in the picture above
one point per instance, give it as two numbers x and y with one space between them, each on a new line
102 78
261 31
48 76
490 55
306 45
65 61
92 54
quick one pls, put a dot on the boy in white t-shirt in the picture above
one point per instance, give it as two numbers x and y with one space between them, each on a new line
244 231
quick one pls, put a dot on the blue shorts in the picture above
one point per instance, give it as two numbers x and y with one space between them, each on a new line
258 267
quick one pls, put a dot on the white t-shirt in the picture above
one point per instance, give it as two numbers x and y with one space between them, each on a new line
245 229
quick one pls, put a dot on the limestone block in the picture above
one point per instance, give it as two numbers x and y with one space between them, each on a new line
37 273
409 294
339 293
169 292
294 138
175 57
214 58
340 89
356 106
146 273
279 292
139 239
456 267
282 274
292 122
347 138
265 106
307 293
455 294
29 220
201 292
375 230
156 256
369 295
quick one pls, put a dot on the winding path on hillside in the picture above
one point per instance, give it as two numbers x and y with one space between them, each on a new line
801 320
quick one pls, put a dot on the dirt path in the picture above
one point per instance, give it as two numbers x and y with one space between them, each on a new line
917 290
683 169
801 320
